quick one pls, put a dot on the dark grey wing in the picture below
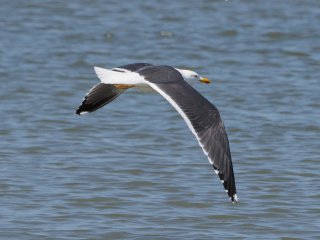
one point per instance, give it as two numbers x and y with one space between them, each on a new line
98 96
202 117
102 94
134 66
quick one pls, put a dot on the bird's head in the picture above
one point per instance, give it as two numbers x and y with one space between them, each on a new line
191 76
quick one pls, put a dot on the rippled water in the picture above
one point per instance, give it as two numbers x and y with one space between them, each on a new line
133 170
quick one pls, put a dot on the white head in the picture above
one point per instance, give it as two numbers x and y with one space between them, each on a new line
191 76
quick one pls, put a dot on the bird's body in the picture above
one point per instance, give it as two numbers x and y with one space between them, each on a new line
202 117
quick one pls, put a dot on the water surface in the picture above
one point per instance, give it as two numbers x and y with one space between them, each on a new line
133 170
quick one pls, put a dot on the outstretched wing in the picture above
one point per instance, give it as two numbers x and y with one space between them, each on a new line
101 94
202 117
98 96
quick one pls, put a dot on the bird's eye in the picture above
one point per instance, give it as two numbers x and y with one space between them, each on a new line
196 76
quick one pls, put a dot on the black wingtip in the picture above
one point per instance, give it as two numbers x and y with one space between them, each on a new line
229 185
234 199
78 112
82 109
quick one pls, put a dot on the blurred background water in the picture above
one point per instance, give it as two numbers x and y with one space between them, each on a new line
133 170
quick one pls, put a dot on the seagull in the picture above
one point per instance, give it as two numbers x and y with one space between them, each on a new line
201 116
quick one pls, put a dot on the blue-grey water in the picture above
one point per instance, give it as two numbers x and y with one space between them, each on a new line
133 170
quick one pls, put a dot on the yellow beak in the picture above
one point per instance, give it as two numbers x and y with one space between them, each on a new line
204 80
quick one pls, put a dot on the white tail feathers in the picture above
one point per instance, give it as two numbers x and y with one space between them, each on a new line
114 77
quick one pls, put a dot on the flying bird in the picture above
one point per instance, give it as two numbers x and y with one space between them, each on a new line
201 116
